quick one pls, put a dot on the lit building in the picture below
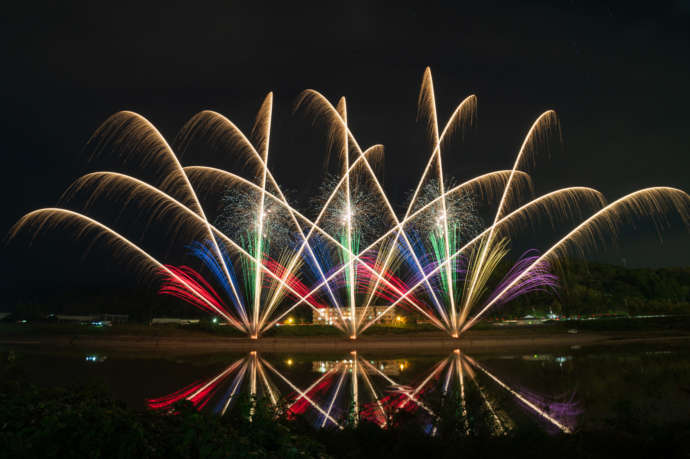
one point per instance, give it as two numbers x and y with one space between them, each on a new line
330 316
387 367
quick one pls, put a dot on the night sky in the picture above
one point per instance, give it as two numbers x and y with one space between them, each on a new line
617 75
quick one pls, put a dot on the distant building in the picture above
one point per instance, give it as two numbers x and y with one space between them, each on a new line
76 318
112 318
173 320
387 367
328 316
115 318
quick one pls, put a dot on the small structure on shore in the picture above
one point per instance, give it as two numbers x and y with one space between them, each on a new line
173 321
94 317
329 316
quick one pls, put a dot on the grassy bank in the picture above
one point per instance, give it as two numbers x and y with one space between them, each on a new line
12 329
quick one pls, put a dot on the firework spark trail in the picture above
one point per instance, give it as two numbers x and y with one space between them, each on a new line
235 385
647 201
435 371
540 279
385 292
343 125
355 389
313 385
194 281
466 108
201 251
491 178
253 361
131 129
342 112
497 421
170 399
227 371
142 126
444 391
376 398
264 379
62 215
480 273
402 391
200 394
267 107
335 395
121 178
225 126
555 198
461 380
533 407
428 90
304 395
488 179
132 135
545 119
318 390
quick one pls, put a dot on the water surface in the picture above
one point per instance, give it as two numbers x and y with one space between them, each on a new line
558 390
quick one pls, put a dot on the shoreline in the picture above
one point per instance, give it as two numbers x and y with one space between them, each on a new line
474 341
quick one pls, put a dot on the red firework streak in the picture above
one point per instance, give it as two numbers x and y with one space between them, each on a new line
198 393
387 290
188 285
191 287
301 404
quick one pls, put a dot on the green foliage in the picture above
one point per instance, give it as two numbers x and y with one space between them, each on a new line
601 288
86 422
594 288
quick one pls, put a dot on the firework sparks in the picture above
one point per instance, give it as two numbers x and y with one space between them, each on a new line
435 260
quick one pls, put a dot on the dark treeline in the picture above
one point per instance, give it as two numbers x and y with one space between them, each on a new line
585 288
595 288
140 304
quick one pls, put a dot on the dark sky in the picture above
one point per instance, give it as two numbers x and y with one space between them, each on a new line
616 73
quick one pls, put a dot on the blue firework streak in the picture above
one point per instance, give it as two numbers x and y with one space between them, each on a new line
321 259
206 253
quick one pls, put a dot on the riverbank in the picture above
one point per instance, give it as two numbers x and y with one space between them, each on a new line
476 340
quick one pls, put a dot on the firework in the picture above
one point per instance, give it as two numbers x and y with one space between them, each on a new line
267 257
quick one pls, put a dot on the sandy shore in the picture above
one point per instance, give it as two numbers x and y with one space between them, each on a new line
476 341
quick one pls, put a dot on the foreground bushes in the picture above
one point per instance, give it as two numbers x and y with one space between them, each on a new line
55 422
37 422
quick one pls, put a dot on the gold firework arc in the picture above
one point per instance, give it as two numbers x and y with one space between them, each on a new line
43 219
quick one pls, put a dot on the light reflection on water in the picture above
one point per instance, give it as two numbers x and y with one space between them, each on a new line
356 388
489 391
